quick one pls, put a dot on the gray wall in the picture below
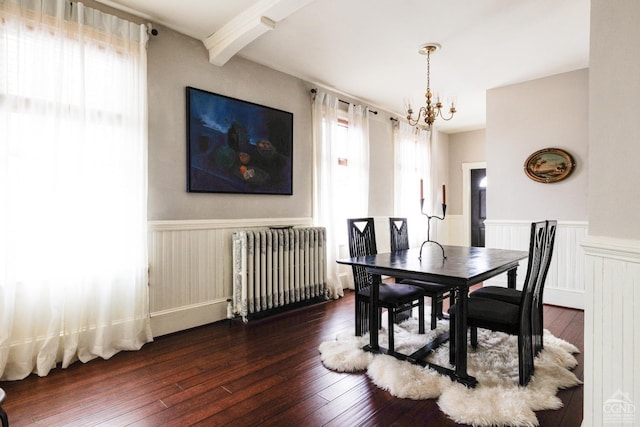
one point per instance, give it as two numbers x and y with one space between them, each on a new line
524 118
464 147
176 61
614 127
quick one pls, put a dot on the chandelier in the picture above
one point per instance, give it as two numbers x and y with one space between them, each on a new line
431 110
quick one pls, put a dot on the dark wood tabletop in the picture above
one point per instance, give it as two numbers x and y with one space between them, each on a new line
463 267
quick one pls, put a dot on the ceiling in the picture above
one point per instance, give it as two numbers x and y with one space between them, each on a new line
368 49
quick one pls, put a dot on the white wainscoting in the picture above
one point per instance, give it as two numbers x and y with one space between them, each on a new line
190 269
612 330
565 283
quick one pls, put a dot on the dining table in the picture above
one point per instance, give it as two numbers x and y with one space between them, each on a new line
458 267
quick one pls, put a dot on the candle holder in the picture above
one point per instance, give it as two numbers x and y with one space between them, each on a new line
429 217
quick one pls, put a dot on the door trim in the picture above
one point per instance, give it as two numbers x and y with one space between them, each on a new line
466 196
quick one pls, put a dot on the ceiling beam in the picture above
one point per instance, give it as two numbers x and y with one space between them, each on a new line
248 26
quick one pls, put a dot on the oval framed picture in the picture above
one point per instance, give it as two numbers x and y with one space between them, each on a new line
549 165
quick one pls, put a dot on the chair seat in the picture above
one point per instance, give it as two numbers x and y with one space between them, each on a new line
512 296
394 295
429 288
491 314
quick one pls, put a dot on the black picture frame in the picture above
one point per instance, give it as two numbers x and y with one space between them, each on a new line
236 146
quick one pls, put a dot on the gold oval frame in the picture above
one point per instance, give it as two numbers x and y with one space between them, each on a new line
549 165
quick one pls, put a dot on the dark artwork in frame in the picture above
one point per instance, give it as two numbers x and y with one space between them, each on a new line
236 146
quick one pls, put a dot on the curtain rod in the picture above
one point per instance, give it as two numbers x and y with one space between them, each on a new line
345 102
150 30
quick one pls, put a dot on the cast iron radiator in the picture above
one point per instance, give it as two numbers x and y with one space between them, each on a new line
277 269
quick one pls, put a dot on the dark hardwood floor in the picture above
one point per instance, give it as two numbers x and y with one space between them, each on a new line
265 373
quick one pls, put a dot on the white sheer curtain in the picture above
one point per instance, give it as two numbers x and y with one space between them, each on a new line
412 164
73 190
341 176
356 199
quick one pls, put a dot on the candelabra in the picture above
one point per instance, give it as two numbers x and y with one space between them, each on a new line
429 218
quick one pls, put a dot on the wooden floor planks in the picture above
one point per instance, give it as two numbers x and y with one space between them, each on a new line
265 373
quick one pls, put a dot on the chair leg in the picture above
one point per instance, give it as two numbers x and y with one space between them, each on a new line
525 359
540 329
474 336
392 318
452 340
359 320
434 312
441 309
421 316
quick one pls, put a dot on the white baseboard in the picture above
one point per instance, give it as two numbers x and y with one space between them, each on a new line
564 298
187 317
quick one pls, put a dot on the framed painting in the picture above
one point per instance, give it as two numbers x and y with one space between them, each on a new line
236 146
549 165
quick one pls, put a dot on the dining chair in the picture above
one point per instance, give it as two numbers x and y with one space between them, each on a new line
513 296
393 297
514 319
399 237
3 415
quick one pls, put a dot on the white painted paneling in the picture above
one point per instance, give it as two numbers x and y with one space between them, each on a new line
190 270
612 327
565 282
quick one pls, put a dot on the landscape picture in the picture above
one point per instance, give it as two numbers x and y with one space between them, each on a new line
236 146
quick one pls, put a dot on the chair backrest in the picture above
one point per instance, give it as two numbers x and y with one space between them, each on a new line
527 327
537 300
550 238
398 233
536 250
362 241
536 247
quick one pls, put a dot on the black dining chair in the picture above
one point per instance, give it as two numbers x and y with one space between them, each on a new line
399 236
513 296
393 297
514 319
3 415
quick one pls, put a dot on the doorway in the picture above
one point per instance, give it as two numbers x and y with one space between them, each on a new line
466 199
478 206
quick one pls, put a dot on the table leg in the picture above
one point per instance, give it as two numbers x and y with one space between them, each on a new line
461 374
461 333
511 278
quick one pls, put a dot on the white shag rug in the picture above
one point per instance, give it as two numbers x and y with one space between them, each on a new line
496 400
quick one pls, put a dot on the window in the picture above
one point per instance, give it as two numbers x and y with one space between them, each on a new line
347 181
73 150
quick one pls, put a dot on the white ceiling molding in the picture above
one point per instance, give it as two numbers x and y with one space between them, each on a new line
248 26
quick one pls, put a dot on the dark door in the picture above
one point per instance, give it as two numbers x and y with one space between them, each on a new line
478 205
